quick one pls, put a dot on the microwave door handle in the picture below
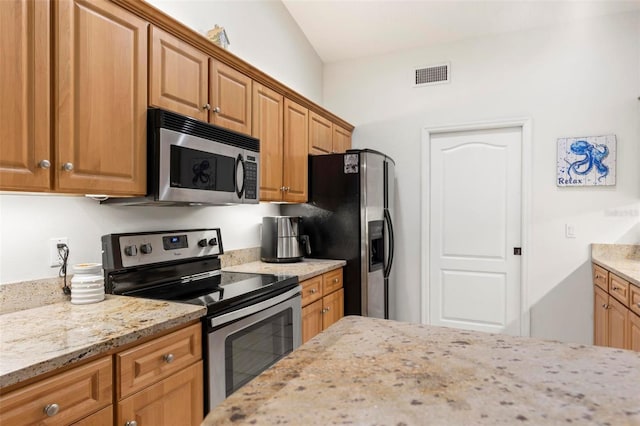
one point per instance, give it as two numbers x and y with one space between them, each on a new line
240 161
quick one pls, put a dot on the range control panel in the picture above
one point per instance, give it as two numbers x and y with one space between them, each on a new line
137 249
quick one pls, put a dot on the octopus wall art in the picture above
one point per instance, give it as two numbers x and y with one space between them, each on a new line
587 161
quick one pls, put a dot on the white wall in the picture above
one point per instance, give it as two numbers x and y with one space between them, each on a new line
262 33
574 80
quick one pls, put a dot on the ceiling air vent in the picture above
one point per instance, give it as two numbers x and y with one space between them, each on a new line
433 74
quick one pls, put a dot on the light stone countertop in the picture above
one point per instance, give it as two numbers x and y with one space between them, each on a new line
621 259
306 269
369 371
42 339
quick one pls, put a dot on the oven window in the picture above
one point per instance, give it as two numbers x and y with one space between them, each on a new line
191 168
252 350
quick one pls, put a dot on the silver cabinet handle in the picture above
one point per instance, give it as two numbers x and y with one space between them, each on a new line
51 409
335 280
67 167
314 290
216 110
597 276
206 106
44 164
605 306
168 358
615 288
131 423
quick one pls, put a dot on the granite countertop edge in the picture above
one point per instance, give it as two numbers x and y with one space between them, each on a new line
307 268
151 317
622 263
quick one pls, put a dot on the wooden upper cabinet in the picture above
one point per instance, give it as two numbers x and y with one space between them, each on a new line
341 139
296 137
320 134
230 98
100 99
24 95
178 76
268 111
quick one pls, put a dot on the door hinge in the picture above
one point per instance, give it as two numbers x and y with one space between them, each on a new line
517 251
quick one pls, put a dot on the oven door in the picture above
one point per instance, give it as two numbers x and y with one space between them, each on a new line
197 170
244 343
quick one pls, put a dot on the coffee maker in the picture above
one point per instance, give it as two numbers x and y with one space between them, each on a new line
281 240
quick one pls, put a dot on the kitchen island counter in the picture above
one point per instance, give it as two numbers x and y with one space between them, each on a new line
306 269
40 340
370 371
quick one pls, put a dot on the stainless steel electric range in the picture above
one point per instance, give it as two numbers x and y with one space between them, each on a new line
252 320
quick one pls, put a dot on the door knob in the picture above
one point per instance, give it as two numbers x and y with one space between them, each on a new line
67 167
206 106
51 409
216 110
44 164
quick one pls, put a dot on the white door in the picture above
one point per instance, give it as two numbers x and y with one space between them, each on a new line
475 224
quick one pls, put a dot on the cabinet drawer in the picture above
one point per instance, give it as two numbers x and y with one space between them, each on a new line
152 361
77 393
619 288
311 290
601 277
634 298
332 281
101 418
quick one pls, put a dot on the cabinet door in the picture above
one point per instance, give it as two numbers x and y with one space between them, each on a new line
101 99
24 95
332 308
178 76
103 417
177 400
149 362
341 139
268 110
600 323
77 393
311 320
617 324
332 281
230 98
634 332
296 137
320 134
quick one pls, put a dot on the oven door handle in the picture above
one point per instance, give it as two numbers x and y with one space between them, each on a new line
249 310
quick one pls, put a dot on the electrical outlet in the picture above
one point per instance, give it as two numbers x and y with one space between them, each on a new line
54 255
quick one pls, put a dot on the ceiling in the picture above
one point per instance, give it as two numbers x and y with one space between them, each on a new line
345 29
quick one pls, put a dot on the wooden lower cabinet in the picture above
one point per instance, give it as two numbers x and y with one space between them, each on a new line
158 382
311 320
176 400
600 323
634 332
103 417
615 322
322 303
62 399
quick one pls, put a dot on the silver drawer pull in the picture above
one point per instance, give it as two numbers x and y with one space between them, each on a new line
616 288
44 164
51 409
168 358
335 280
131 423
314 290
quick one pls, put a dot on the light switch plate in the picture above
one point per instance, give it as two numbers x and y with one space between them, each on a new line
570 230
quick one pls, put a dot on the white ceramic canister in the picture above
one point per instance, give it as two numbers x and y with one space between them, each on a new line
87 284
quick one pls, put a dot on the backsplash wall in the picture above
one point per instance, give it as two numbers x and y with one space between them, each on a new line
27 222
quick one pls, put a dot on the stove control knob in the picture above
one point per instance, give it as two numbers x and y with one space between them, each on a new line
213 242
131 251
202 242
146 248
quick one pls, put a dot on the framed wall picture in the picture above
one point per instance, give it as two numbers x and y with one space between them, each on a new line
586 161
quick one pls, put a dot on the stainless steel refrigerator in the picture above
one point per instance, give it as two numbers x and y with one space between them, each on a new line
350 216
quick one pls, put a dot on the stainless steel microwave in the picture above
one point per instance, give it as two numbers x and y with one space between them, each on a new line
190 162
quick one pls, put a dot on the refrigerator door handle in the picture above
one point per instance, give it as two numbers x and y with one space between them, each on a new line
389 263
